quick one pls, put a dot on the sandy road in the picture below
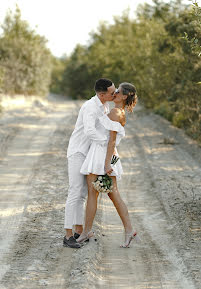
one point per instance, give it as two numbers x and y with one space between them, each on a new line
161 186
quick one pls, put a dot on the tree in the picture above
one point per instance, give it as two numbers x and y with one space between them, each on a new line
195 39
151 52
25 60
76 77
58 68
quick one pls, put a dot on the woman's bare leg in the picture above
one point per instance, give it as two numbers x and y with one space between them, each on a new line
91 207
123 214
91 203
120 206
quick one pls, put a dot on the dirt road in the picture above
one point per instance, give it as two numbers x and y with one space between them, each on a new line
161 186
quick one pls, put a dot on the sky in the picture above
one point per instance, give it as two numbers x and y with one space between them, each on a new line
65 23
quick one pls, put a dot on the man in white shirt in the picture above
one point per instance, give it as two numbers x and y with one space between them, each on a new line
79 143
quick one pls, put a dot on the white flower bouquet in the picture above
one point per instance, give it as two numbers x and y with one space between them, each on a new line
103 183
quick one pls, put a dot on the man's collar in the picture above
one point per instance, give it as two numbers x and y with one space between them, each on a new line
99 103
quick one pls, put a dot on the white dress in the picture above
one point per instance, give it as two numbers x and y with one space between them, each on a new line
95 160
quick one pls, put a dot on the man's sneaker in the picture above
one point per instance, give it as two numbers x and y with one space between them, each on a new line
71 242
76 236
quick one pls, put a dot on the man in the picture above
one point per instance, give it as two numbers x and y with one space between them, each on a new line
80 140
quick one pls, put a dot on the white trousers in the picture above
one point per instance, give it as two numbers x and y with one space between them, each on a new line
77 192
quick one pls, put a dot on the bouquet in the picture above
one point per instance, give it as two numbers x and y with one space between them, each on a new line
103 183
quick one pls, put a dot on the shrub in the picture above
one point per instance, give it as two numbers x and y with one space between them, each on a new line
164 109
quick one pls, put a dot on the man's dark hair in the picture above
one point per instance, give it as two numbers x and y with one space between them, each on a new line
102 84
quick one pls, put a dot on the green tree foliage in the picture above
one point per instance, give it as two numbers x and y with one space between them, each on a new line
150 51
58 68
76 78
25 61
194 39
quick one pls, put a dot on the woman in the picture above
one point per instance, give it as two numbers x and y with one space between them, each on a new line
98 161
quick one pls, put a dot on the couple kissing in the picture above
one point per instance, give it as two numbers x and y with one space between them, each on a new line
91 148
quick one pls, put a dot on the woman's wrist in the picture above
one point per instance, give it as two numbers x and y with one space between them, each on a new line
107 164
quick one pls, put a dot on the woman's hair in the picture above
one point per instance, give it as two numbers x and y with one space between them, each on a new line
131 92
102 84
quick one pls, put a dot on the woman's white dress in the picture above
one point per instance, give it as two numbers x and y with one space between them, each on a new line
95 160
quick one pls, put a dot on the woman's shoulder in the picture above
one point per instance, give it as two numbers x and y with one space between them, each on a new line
116 115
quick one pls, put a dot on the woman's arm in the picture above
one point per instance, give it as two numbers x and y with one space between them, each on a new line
115 116
110 151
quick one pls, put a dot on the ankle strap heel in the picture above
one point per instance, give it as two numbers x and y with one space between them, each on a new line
129 237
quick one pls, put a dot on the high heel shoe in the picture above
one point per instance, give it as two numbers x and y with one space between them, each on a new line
128 238
85 236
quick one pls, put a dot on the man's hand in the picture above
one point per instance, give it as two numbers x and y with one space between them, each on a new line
108 169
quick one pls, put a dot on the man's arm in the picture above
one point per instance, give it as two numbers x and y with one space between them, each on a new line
89 121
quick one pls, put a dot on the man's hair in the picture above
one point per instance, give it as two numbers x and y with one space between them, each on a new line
102 84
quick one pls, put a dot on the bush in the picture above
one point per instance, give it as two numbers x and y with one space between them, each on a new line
164 109
179 119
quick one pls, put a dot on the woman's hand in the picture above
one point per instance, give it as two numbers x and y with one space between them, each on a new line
114 152
108 169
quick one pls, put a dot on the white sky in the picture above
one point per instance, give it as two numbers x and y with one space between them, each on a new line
68 22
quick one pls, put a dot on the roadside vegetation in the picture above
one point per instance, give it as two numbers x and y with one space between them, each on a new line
158 49
25 61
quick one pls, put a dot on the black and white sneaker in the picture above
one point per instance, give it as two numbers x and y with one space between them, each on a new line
71 242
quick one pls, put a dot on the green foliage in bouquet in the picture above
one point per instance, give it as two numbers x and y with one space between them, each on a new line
103 183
